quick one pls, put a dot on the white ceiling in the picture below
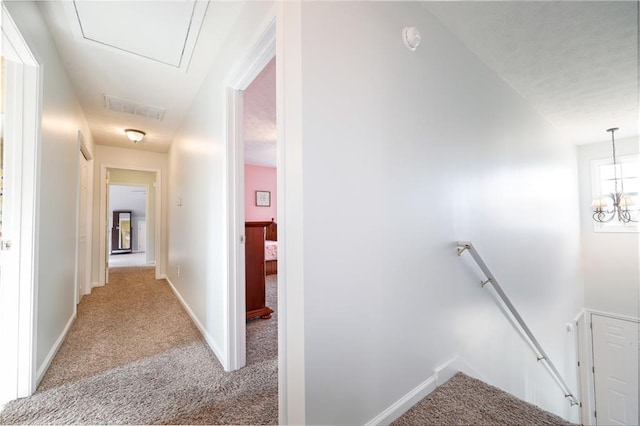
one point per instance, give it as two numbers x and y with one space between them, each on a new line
138 52
260 118
575 61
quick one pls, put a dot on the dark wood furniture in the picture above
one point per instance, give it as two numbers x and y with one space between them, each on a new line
271 233
122 232
255 295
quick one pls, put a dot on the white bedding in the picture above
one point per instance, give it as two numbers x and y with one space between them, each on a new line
270 250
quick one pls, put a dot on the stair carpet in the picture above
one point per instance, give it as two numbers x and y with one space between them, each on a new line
467 401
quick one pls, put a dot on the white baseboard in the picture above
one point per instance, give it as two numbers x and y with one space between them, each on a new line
402 405
207 337
94 285
455 365
54 350
440 375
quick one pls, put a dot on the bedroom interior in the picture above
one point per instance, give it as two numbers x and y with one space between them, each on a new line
261 229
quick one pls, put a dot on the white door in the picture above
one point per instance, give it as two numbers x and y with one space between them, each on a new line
9 237
615 361
20 119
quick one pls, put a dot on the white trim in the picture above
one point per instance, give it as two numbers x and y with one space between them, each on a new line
441 375
241 76
584 358
210 341
455 365
103 220
54 350
291 321
403 405
611 315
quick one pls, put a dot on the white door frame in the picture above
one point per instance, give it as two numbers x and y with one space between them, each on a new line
19 305
103 219
83 284
148 187
280 33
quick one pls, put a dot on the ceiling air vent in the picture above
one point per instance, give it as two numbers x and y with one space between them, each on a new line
126 106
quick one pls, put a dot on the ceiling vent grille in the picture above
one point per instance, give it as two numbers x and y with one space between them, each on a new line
125 106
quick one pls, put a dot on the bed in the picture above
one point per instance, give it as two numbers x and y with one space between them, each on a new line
271 248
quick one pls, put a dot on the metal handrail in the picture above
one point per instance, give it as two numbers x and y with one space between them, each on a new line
541 355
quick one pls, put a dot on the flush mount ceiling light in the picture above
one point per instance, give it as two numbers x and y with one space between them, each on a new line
618 204
135 135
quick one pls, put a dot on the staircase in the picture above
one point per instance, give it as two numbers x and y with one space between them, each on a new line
467 401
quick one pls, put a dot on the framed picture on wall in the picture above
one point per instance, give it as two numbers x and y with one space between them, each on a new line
263 198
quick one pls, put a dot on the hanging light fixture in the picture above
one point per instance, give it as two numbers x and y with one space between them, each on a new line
135 135
617 204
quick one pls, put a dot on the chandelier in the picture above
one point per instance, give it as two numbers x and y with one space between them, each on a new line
617 204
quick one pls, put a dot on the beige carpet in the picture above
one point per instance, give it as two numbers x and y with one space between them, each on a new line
467 401
133 356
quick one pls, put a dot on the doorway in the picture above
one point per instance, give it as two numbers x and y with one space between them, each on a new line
259 139
137 191
129 208
261 56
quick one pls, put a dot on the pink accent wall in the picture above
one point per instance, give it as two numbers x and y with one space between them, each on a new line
257 178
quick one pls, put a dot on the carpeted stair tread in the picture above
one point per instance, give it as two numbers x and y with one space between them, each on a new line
467 401
133 356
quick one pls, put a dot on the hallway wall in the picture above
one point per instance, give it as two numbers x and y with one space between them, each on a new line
58 180
198 199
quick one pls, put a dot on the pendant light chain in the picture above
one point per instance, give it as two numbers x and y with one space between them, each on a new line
615 169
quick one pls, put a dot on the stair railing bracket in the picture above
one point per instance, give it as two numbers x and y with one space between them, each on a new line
462 249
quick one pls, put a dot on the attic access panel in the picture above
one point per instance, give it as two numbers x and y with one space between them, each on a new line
164 32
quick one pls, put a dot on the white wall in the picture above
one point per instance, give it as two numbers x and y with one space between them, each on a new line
58 180
402 155
611 260
197 240
119 158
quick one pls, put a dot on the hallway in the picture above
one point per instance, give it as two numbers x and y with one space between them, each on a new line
133 356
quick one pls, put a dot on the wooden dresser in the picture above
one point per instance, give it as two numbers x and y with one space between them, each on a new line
255 270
